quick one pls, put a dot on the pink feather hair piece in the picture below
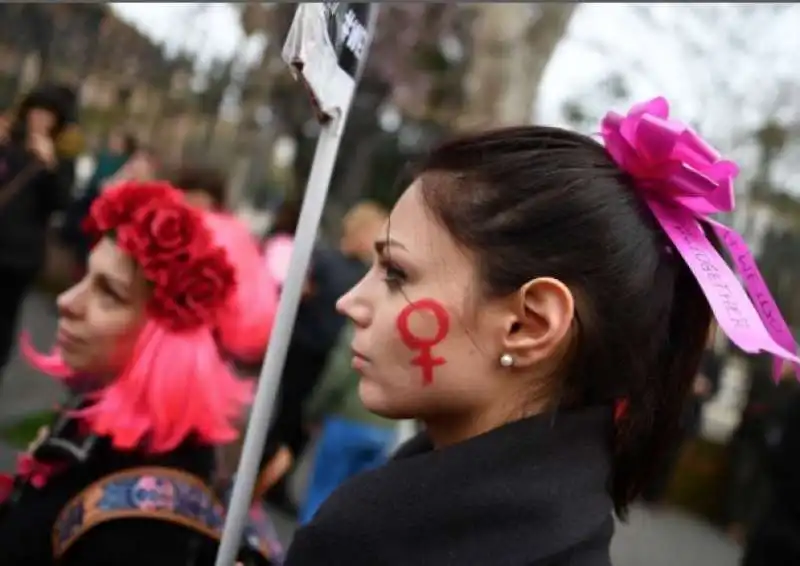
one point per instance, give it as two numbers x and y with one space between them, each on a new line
245 324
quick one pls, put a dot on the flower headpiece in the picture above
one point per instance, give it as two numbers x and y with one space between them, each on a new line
683 180
191 277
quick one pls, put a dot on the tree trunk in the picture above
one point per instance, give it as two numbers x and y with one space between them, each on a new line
512 45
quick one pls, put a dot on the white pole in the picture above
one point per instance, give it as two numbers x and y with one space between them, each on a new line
308 44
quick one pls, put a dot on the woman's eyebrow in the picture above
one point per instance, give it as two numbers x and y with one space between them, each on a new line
116 284
381 245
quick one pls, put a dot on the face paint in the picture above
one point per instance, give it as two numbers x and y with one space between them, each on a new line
425 360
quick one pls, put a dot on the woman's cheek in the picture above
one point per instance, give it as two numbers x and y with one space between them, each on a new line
420 326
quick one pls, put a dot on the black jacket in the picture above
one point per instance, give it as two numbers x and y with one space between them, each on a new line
531 493
25 216
775 539
318 324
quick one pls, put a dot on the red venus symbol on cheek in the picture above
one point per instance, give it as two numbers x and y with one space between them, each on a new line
425 360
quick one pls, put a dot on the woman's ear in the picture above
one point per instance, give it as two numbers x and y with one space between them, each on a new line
543 312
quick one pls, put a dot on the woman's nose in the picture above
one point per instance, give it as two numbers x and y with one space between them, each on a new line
69 302
343 304
354 307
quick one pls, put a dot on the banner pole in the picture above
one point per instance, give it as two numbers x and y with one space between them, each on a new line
310 22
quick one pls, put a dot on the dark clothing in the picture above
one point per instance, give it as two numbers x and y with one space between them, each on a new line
31 520
318 324
25 217
72 233
300 375
775 539
316 331
24 220
530 493
754 443
15 286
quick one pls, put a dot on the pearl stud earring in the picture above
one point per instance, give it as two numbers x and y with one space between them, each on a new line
506 360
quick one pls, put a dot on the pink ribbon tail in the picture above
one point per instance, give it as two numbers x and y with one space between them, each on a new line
738 316
759 293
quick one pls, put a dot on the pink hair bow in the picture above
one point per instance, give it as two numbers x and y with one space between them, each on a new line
683 180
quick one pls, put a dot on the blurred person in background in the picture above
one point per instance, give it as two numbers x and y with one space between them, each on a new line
753 446
286 219
243 338
704 387
351 438
278 243
119 148
35 183
142 165
204 187
318 325
774 538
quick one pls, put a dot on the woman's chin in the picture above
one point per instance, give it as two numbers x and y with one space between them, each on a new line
73 361
380 401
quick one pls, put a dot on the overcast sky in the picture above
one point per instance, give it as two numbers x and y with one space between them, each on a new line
602 38
208 29
213 30
721 65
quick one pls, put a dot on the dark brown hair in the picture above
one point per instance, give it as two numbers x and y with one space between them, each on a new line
286 218
537 201
200 178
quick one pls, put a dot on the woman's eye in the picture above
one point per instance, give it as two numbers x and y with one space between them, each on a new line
393 275
109 293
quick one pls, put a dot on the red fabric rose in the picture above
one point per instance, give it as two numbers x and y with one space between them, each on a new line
195 294
117 204
162 235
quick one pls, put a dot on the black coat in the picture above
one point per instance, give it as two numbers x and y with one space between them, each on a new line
25 216
531 493
775 539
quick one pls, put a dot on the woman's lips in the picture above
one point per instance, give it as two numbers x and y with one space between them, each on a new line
65 338
359 361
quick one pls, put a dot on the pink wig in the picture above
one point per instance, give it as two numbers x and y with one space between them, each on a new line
245 324
177 384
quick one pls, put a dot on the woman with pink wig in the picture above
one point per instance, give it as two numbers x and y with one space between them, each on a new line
124 474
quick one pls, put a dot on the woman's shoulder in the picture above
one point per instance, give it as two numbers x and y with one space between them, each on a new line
357 524
455 505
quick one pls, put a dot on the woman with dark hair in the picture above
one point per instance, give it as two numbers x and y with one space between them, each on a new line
204 187
536 302
34 184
